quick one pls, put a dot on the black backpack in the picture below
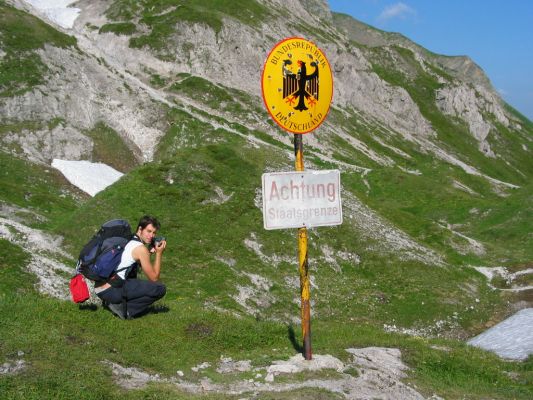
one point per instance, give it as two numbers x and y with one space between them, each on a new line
100 257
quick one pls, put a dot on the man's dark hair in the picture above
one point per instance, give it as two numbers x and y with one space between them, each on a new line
147 220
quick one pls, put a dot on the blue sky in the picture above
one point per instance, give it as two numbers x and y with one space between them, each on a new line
496 34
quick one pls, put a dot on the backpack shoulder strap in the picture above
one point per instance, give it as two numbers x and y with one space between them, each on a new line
134 238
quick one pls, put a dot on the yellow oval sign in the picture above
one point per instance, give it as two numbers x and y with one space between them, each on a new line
297 85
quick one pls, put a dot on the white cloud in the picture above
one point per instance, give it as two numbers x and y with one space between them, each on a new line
398 10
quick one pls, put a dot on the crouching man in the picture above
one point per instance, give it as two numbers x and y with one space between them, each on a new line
124 294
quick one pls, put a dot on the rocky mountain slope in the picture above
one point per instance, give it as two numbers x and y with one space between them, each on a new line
229 51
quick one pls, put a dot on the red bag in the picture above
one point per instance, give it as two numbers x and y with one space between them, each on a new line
79 289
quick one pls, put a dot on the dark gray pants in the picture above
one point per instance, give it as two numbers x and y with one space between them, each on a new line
139 295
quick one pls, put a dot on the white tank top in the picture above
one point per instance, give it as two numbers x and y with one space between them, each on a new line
127 259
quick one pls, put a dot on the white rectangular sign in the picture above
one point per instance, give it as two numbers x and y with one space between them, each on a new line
301 199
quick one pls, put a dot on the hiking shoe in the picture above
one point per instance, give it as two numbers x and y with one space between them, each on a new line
117 310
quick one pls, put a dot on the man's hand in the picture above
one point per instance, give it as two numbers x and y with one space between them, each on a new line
160 246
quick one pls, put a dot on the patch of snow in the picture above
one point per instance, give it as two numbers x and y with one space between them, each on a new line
89 177
511 338
57 11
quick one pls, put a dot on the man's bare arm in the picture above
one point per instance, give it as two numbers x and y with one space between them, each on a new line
152 271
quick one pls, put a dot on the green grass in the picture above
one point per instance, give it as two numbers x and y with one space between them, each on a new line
506 227
213 95
18 127
36 188
109 148
218 97
351 302
186 131
119 28
522 118
64 346
157 80
418 203
182 187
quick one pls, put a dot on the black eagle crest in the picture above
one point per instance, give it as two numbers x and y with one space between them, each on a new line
300 86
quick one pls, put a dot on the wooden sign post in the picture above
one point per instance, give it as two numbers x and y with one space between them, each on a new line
303 266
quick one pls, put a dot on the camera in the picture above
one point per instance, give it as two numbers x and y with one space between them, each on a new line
155 241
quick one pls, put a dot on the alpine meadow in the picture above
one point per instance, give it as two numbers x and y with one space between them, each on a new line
435 247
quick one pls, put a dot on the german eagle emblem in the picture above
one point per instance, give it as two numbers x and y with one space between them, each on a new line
298 87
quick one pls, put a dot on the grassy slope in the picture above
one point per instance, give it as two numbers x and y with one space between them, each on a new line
417 203
202 234
109 148
187 334
41 190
